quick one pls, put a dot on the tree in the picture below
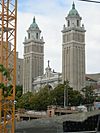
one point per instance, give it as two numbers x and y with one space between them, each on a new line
45 97
42 99
89 95
18 92
24 101
57 95
6 86
75 98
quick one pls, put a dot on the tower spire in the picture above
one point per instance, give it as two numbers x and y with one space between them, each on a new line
73 5
34 19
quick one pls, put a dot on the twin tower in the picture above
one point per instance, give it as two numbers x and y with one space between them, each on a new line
73 53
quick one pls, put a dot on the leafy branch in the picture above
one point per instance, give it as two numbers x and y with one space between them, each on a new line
6 87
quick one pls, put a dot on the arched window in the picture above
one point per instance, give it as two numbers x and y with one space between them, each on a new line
77 22
68 23
28 35
36 35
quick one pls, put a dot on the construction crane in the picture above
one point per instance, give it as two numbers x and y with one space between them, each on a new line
8 19
90 1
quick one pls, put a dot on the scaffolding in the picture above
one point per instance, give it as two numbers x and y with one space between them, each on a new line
8 18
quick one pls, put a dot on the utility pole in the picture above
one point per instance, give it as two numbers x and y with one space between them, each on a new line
65 96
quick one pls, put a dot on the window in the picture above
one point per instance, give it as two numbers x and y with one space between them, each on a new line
28 35
77 22
36 35
68 23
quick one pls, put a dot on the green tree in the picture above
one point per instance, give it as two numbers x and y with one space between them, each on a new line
75 98
7 86
89 95
42 99
24 101
57 95
46 97
18 92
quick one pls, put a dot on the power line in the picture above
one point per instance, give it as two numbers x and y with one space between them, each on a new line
90 1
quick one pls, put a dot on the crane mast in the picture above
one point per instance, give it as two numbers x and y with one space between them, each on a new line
8 18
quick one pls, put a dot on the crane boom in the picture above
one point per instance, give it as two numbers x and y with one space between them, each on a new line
90 1
8 19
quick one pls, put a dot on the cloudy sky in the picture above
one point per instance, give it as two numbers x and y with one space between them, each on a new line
50 17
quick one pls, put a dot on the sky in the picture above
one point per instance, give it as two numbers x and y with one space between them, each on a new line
50 17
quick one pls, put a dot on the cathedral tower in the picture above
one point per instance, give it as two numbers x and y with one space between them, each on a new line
73 50
33 64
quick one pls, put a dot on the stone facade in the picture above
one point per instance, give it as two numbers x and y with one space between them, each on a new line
50 78
73 57
33 64
73 50
19 70
19 63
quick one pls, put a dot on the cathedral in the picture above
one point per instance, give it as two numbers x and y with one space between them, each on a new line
73 57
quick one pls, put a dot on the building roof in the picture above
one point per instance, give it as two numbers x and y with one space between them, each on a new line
73 12
95 76
90 79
